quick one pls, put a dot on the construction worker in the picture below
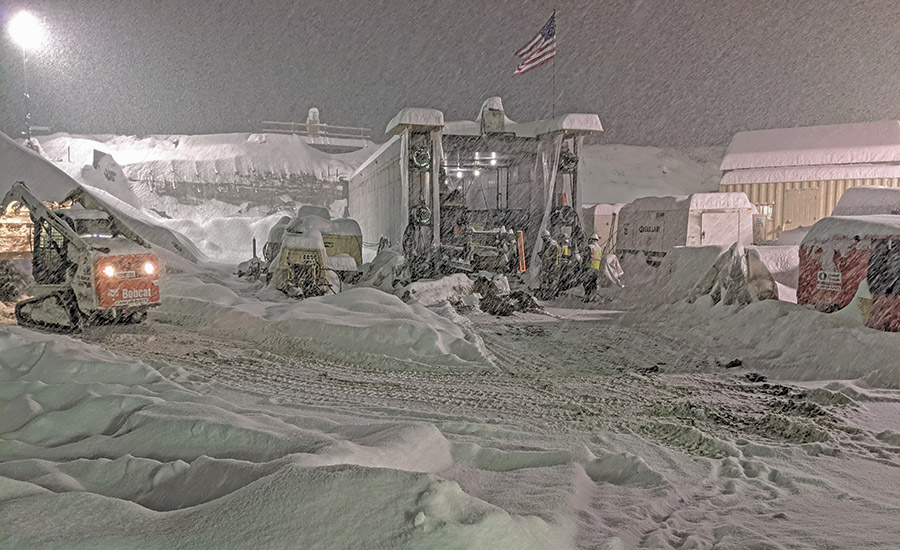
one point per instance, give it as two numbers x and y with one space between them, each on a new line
592 274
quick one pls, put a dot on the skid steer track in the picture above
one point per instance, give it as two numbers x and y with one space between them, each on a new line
54 312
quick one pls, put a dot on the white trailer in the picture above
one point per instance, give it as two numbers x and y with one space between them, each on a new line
654 225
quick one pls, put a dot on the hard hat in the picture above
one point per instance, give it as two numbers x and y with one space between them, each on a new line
545 234
594 237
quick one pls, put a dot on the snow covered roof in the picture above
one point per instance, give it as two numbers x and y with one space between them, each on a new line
697 201
853 226
858 143
573 122
812 173
865 200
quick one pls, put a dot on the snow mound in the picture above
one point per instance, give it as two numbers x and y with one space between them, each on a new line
790 342
383 269
623 469
45 180
429 293
222 237
673 280
783 263
360 321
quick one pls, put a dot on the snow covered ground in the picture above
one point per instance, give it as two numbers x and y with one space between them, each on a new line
588 428
237 418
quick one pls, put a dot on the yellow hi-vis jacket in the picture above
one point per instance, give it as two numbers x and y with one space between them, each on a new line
596 255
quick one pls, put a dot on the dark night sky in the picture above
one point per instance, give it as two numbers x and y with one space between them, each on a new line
659 72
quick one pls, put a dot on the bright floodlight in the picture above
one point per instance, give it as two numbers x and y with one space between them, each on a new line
26 31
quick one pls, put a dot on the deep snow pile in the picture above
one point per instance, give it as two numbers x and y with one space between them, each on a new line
97 451
778 337
793 342
354 322
205 158
222 231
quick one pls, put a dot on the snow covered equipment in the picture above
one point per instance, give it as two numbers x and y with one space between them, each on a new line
883 277
482 180
835 258
313 254
739 276
654 225
88 266
252 268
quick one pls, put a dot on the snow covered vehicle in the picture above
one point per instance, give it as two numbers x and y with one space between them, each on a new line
88 267
837 255
309 255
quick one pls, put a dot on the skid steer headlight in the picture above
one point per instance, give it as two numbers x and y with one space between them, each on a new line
109 271
149 268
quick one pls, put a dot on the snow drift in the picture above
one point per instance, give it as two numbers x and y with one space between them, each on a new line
359 321
97 451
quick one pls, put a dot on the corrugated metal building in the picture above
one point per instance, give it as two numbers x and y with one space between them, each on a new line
795 176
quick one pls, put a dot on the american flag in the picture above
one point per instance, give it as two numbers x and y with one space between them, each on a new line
541 48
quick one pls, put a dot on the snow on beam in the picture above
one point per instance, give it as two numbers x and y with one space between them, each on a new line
576 123
415 116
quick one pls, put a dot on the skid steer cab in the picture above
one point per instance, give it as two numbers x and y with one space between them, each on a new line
88 266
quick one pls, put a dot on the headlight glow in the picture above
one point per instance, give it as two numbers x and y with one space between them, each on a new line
149 268
109 271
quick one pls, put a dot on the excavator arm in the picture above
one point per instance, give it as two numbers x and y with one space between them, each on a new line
19 193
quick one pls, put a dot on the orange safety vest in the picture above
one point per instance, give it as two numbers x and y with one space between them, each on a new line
596 256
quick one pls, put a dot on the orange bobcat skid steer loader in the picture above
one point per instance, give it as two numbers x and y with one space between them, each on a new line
88 267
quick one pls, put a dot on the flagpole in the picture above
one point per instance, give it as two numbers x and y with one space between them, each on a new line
553 92
553 86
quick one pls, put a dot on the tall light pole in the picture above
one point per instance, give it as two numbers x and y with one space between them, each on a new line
27 32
